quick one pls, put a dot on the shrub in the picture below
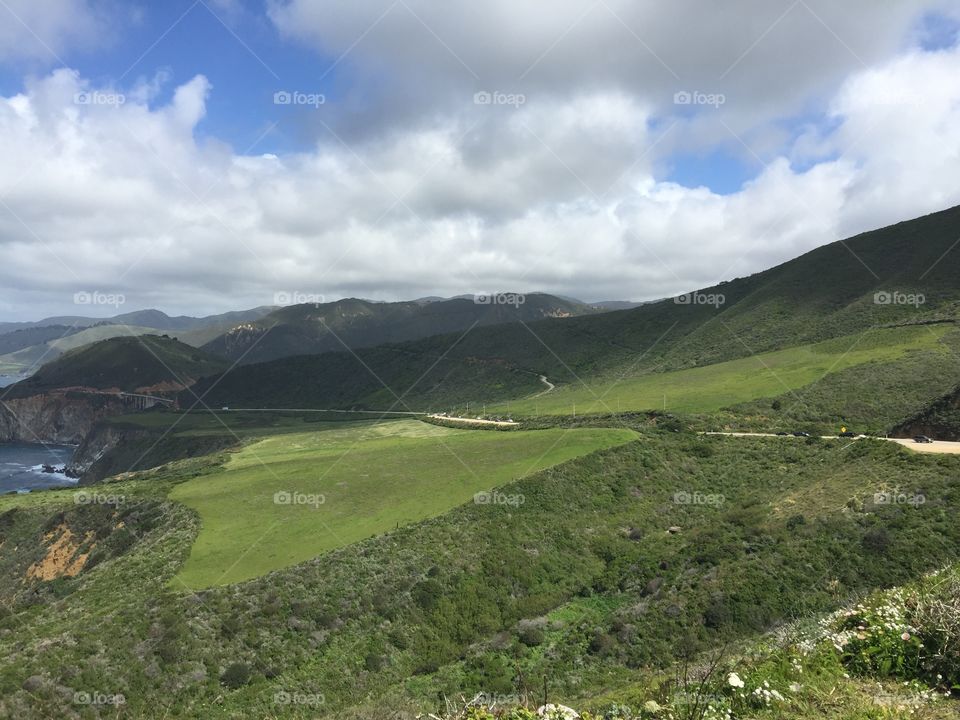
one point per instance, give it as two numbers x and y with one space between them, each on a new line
876 541
236 675
531 636
374 662
427 594
602 643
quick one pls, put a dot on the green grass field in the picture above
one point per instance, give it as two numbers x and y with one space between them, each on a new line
372 478
709 388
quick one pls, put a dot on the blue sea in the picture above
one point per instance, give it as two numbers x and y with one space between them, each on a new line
21 467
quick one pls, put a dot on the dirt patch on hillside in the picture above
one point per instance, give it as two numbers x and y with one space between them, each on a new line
64 557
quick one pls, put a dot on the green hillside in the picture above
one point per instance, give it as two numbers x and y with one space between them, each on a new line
712 387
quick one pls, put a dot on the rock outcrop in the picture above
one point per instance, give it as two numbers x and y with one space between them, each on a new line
58 418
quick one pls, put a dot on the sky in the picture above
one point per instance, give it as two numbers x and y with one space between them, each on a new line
200 156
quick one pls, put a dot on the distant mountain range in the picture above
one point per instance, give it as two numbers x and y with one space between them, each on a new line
352 323
26 346
268 333
145 318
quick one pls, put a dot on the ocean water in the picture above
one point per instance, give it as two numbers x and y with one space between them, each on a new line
21 464
9 379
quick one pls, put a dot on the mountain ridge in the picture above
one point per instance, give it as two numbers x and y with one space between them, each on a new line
353 323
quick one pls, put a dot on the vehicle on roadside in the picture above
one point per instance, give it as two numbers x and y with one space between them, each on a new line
922 439
781 432
847 433
801 433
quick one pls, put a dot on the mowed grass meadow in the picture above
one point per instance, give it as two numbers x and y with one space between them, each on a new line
712 387
289 498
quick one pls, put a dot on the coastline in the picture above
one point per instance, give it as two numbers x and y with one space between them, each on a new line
26 467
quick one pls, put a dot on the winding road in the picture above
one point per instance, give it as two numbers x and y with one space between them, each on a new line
550 386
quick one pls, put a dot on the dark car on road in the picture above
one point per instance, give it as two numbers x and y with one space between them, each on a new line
922 439
847 433
801 433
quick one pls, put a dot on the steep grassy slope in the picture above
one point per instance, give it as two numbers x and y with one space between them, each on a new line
875 397
128 364
324 327
355 483
827 293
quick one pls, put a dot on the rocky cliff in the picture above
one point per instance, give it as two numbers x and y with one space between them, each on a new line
112 448
61 418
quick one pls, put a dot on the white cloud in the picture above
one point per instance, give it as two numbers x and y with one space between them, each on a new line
42 30
558 194
768 58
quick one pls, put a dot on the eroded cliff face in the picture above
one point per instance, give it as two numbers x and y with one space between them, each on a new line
941 420
57 418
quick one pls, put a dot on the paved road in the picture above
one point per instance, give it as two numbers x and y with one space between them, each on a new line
937 446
